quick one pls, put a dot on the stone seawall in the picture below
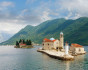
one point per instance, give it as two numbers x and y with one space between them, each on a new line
60 56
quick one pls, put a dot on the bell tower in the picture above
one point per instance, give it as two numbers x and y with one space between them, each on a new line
61 43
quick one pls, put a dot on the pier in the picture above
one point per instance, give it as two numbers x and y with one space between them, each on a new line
57 54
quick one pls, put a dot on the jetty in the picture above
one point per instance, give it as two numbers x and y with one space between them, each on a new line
57 54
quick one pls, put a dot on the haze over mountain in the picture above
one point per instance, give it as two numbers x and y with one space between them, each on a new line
4 36
75 31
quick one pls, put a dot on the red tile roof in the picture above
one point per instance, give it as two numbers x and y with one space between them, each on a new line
76 45
22 44
54 40
48 40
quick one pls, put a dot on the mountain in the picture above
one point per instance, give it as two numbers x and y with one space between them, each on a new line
4 36
75 31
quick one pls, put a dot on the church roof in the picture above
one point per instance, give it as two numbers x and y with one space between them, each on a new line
76 45
61 33
52 38
48 40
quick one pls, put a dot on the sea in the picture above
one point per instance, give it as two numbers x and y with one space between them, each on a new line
29 59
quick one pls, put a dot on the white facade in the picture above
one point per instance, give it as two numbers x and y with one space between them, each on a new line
77 50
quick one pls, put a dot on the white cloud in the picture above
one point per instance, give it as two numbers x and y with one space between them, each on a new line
45 16
12 22
10 28
6 4
75 7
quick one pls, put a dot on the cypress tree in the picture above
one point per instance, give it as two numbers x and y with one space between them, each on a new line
27 42
20 41
23 41
17 43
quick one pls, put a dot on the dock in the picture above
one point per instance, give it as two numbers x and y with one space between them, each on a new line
57 54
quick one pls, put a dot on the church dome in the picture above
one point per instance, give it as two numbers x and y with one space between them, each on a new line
61 33
52 39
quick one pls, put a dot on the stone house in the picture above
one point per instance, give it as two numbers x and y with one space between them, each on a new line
77 49
53 43
50 44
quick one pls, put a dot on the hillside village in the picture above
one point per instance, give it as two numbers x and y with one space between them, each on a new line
56 48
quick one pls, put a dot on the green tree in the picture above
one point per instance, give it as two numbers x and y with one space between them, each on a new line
17 43
29 42
23 41
20 41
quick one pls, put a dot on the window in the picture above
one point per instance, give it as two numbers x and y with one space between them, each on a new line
43 44
79 49
48 44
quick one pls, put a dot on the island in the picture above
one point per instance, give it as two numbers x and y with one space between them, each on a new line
23 44
55 48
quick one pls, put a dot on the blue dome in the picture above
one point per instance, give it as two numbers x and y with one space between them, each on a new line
52 39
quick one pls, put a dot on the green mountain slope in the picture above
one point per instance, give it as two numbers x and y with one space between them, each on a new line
75 31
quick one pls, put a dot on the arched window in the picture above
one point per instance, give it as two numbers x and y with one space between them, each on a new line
48 44
79 49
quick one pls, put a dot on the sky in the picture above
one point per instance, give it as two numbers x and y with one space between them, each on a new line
16 14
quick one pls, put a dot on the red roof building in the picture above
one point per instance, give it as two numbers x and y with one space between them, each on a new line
48 40
76 45
23 44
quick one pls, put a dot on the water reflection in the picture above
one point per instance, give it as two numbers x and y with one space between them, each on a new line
67 65
76 64
29 59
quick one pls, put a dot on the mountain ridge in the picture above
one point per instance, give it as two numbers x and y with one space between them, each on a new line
74 31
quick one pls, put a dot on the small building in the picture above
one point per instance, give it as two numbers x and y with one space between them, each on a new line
50 44
77 49
54 43
22 45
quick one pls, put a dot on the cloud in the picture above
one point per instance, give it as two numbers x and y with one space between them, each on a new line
34 12
6 4
76 8
10 28
38 11
45 16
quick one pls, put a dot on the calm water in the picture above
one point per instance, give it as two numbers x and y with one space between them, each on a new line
29 59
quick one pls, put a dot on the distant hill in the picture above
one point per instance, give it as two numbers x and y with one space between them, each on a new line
75 31
4 36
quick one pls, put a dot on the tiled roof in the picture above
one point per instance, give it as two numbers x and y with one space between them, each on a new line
48 40
76 45
22 44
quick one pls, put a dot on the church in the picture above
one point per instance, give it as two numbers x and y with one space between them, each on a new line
55 44
52 43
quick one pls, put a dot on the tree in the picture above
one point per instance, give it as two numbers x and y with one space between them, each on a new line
24 41
17 43
20 41
29 42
